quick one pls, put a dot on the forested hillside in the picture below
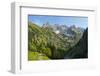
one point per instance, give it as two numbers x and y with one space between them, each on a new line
80 50
44 43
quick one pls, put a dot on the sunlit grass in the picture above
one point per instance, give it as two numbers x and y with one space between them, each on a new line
36 56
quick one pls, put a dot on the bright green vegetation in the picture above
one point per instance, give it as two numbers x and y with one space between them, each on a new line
45 44
36 56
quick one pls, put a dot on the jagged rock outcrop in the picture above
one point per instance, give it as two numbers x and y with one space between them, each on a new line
80 50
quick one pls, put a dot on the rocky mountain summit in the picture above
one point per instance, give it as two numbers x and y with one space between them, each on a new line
69 31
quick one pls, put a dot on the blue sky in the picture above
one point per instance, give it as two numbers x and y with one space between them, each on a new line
61 20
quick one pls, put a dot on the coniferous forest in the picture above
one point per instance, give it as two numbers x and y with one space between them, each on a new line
50 42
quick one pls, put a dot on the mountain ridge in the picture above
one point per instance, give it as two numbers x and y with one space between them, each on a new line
45 41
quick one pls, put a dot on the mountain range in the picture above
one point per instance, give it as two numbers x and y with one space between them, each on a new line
52 41
69 31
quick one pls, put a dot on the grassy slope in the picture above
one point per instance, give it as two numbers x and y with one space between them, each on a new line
44 44
36 56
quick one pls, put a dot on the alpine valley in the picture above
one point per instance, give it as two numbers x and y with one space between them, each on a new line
55 41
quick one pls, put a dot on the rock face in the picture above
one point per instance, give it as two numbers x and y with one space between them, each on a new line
64 29
80 50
